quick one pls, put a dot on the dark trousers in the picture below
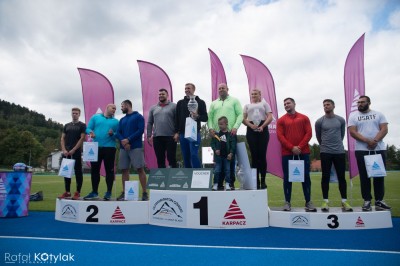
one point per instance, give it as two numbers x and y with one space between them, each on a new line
258 143
287 186
365 181
162 145
232 173
77 156
339 162
106 154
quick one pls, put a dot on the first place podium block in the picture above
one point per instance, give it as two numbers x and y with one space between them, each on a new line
334 219
237 209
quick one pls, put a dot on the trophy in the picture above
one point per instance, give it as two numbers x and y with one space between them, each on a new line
192 105
256 119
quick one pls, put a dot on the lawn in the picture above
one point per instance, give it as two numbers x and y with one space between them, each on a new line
52 186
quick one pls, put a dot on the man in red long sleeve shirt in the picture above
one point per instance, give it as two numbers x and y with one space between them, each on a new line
294 132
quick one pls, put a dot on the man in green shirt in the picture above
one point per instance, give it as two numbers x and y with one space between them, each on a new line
231 108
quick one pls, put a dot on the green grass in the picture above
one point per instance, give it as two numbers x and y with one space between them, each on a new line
53 185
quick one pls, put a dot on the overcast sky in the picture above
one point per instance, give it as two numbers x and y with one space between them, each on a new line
303 43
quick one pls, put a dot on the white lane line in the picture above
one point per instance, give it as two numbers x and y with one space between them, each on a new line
201 246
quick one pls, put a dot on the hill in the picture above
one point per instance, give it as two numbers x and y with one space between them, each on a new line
26 136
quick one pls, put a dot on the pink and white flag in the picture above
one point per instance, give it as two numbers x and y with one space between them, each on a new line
354 87
217 74
153 78
97 94
259 77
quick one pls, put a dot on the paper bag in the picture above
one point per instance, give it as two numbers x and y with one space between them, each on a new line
374 165
190 129
296 170
67 168
90 151
131 190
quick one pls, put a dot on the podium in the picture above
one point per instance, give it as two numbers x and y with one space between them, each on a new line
15 188
102 212
335 219
236 209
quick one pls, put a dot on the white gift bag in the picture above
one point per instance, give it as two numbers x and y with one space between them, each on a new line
131 190
191 129
374 165
333 175
67 168
296 170
90 151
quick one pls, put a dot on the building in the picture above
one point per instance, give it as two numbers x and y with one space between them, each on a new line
54 160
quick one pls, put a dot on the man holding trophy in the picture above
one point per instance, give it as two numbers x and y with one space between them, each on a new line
195 108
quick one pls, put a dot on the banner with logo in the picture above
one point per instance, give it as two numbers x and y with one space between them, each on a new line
97 93
354 87
259 77
152 78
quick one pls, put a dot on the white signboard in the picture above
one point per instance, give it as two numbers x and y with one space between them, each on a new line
209 209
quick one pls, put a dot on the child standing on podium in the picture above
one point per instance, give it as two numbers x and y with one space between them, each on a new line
224 147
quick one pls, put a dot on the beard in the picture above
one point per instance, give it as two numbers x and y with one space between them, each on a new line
363 108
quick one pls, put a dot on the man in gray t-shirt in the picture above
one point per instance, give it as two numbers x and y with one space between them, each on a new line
161 129
330 130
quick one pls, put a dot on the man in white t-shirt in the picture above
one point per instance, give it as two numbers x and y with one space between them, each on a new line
368 128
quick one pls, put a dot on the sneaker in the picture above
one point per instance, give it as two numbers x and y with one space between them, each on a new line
228 187
220 188
324 206
310 207
263 186
232 187
380 205
107 196
346 207
367 206
145 196
91 196
121 197
215 187
76 196
287 207
65 195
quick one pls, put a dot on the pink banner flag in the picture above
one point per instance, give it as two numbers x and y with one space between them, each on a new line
259 77
354 87
153 78
217 74
97 94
